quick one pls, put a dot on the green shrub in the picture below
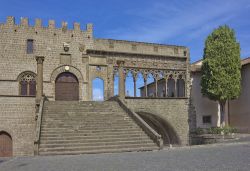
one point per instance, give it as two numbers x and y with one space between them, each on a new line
225 130
199 131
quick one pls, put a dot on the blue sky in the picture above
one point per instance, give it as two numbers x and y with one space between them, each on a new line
182 22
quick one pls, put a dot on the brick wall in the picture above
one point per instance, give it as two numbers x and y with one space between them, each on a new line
174 111
17 117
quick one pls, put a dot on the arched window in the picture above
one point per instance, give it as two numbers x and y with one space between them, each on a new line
129 84
116 83
180 87
27 84
140 92
98 89
171 87
150 85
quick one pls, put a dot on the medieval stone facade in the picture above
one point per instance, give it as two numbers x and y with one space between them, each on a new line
60 64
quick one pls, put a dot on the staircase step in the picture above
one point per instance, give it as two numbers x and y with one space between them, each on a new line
97 143
89 127
93 132
98 151
94 147
92 137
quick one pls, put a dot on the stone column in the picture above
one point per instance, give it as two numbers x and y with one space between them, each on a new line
156 87
39 88
145 87
121 79
134 78
166 88
175 88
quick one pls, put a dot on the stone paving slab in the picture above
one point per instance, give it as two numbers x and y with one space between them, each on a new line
216 157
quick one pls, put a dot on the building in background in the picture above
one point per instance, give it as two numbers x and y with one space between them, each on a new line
207 111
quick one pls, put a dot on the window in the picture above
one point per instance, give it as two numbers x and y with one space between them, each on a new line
30 46
206 119
185 53
180 87
171 87
27 84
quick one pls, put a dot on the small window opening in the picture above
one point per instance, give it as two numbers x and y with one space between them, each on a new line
30 46
206 119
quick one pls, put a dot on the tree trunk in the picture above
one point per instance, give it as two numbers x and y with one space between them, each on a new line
222 113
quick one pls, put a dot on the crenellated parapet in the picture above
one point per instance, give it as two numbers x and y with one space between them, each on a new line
24 23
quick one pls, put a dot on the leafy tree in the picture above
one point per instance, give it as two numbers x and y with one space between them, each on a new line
221 68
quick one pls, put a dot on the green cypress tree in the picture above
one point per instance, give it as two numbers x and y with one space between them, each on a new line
221 68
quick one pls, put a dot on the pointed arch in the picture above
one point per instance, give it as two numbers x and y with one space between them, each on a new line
129 84
27 83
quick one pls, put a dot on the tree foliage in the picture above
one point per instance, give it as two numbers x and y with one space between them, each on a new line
221 67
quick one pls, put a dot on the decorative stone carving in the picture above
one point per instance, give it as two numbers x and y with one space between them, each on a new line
66 46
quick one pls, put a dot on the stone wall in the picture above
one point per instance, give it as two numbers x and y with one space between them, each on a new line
84 56
17 117
140 47
48 42
174 111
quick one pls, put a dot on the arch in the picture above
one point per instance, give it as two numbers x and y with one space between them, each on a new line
6 144
162 127
129 84
62 69
171 87
116 83
180 87
151 85
27 83
98 89
140 92
71 69
66 87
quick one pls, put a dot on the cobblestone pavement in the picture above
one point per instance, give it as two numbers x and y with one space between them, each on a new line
217 157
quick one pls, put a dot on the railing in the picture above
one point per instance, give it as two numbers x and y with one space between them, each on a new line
149 131
38 125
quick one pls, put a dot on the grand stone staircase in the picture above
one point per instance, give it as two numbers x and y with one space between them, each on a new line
72 127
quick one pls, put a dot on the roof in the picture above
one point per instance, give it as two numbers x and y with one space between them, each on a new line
196 66
245 61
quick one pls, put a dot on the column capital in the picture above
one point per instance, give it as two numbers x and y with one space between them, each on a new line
39 59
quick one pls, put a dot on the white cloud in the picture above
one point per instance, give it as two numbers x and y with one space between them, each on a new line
164 21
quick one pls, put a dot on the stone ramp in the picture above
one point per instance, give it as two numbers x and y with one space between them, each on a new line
74 127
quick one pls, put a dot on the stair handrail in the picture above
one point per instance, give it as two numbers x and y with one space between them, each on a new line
39 114
144 125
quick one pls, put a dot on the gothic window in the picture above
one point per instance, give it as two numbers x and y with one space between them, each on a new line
171 87
30 46
180 87
27 84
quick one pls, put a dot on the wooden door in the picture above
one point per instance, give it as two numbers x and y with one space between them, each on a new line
67 87
5 145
